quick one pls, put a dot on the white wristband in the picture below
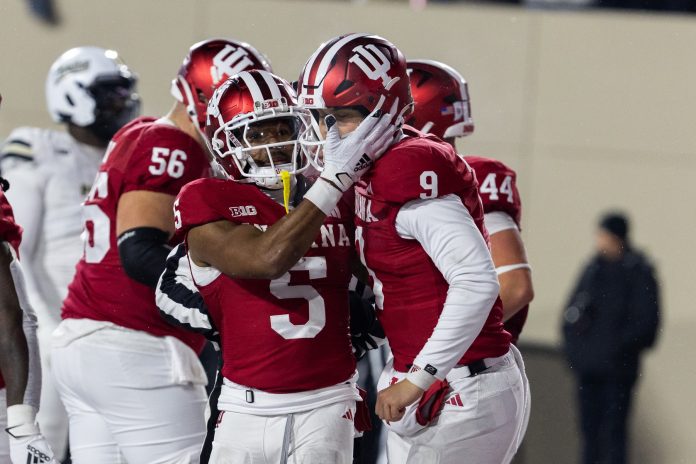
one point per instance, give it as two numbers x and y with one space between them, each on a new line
20 414
421 379
512 267
324 196
21 420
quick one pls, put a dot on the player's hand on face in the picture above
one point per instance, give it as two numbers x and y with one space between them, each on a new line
392 401
347 159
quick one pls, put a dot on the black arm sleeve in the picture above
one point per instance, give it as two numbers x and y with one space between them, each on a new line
143 252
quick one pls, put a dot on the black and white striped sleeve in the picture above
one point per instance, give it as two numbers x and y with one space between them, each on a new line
178 299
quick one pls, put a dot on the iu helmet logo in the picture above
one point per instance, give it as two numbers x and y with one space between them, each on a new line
377 65
229 61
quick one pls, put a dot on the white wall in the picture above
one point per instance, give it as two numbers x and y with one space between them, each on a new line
595 110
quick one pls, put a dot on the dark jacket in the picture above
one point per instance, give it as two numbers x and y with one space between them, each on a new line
612 315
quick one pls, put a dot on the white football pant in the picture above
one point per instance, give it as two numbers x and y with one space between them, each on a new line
320 436
483 421
52 417
125 401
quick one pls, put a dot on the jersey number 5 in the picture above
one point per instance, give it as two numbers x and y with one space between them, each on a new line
281 288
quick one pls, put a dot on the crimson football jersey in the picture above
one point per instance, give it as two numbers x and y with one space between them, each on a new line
498 190
497 186
285 335
10 232
410 290
144 155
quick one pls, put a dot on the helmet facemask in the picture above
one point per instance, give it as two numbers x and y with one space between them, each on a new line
117 103
264 143
312 142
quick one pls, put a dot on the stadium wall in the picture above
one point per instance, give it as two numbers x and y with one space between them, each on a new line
595 110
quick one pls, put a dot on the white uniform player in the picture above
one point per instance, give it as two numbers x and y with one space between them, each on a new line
143 400
21 385
92 92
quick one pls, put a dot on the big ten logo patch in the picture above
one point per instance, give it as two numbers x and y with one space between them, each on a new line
238 211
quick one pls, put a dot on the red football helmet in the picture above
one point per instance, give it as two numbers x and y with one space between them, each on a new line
356 70
252 127
207 65
441 97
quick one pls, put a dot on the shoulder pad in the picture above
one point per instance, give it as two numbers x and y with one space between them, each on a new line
419 167
210 200
160 158
497 186
20 144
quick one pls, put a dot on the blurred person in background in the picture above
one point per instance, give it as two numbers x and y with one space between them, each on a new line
20 367
611 317
91 92
20 386
143 400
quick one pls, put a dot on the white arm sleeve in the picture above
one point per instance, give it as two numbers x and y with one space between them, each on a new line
26 194
498 221
448 234
32 394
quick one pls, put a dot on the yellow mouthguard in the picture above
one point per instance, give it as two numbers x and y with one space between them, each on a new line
285 177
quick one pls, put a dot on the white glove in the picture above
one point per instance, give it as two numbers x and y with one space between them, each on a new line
348 158
27 445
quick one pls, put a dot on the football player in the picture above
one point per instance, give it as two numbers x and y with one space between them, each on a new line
132 384
271 259
19 353
443 108
420 233
91 92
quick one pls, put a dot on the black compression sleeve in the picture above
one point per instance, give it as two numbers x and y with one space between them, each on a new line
143 253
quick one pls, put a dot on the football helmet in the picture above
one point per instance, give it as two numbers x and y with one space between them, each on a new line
208 64
356 70
91 87
441 97
253 122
